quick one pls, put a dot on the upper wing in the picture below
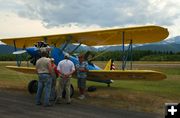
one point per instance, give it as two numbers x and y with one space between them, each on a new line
138 35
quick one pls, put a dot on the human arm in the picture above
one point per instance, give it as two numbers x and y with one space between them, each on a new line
50 67
59 69
56 71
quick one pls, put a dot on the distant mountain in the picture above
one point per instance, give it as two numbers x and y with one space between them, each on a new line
171 44
174 40
110 48
114 48
71 47
160 47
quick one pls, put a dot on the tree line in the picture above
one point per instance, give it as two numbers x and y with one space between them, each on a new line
138 55
12 57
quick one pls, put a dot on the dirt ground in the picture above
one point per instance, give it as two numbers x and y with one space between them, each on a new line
20 104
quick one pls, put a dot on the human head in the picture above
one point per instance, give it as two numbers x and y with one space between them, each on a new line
81 57
66 56
44 54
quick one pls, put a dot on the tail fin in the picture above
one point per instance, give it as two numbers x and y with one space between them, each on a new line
108 65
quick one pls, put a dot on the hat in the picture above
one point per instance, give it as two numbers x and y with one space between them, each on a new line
66 55
52 59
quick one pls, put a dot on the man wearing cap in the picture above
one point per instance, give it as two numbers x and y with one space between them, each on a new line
66 69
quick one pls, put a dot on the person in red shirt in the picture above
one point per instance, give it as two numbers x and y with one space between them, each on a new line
54 75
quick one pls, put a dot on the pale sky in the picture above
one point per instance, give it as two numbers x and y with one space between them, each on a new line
19 18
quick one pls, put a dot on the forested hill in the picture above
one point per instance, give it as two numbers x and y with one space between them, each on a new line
5 49
160 47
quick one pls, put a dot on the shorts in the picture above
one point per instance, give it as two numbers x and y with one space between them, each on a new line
82 83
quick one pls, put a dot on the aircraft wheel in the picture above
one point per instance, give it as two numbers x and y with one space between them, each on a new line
32 86
71 92
91 89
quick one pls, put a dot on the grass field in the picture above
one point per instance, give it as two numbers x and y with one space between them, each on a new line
147 96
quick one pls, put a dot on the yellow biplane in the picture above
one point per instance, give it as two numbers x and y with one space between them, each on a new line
113 36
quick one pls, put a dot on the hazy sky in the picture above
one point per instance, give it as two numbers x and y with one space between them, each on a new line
41 17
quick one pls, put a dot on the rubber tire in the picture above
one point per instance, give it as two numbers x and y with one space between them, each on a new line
32 86
91 89
71 92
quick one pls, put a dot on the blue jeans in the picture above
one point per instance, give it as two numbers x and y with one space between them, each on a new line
44 82
53 89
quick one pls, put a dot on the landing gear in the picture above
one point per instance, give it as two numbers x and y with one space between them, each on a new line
91 89
32 86
108 83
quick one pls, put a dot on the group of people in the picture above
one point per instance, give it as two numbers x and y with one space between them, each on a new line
55 79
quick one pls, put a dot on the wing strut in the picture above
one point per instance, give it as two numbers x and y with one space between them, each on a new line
69 38
126 55
18 62
45 39
131 56
75 48
123 52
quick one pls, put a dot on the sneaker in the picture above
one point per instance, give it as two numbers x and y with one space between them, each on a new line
58 101
48 105
39 103
52 99
81 97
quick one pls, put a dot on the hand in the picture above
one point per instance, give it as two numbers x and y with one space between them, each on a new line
66 75
62 75
82 69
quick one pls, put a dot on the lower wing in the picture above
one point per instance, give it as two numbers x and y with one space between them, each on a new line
28 70
127 74
108 74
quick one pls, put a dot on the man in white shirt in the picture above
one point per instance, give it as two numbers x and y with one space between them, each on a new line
66 69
